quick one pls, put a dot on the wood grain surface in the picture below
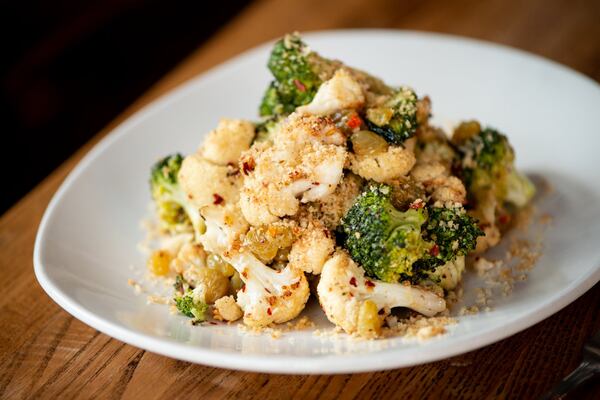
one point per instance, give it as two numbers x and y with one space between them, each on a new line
46 353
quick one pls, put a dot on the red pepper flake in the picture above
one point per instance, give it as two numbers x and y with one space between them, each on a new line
353 281
244 273
418 203
217 199
354 122
248 166
244 289
267 290
504 219
381 312
368 283
213 323
269 311
299 85
435 250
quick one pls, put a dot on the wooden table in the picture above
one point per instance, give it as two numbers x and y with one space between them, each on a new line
44 352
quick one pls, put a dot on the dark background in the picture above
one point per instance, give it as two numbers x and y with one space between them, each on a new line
69 67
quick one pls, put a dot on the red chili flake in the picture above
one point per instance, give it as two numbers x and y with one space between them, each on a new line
267 290
269 311
418 203
354 121
435 250
326 232
213 323
381 312
504 219
244 289
368 283
353 281
248 166
217 199
244 274
299 85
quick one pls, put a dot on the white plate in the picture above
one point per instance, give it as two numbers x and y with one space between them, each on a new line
87 239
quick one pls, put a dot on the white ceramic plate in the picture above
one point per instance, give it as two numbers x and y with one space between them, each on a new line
87 239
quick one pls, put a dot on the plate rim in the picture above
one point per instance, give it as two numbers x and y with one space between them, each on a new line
347 363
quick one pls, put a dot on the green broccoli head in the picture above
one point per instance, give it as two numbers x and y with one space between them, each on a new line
174 210
164 188
487 165
396 119
273 103
386 242
186 303
296 73
190 308
453 232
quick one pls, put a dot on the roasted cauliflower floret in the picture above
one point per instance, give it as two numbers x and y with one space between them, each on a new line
438 183
300 166
433 145
269 296
312 249
226 309
206 183
490 238
381 167
341 92
225 144
224 227
358 305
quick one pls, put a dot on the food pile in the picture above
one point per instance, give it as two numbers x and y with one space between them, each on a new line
343 190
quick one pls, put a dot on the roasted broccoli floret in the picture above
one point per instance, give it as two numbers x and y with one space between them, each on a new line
519 189
394 245
174 210
386 242
396 119
453 232
185 301
296 82
487 167
299 73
